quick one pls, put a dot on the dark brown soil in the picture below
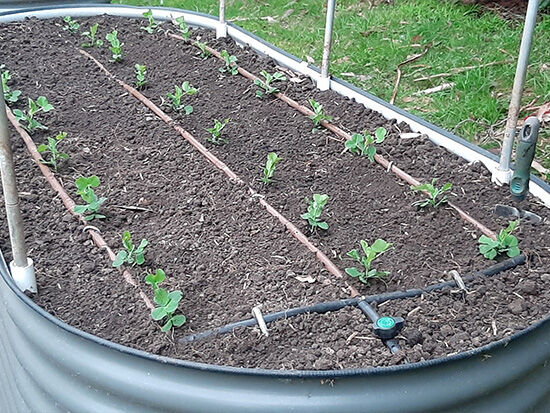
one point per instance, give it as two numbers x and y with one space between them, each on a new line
218 245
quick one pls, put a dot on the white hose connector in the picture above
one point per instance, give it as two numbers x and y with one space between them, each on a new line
24 277
221 30
323 83
501 177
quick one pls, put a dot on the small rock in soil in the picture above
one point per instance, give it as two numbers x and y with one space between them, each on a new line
529 287
545 277
414 337
517 306
88 267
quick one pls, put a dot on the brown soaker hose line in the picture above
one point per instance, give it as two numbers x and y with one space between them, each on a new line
345 136
329 265
70 204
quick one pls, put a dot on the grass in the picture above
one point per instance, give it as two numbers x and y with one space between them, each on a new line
369 43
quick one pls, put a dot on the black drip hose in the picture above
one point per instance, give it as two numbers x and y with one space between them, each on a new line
339 304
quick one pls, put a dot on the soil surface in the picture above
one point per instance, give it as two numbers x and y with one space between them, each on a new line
216 243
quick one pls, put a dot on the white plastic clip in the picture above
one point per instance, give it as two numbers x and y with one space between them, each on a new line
458 279
260 319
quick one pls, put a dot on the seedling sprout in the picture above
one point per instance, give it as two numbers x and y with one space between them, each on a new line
269 169
41 105
167 302
436 196
505 243
116 46
318 114
90 35
364 144
370 253
141 73
70 24
204 54
10 96
153 25
266 85
51 150
230 66
216 132
176 97
131 254
314 211
93 203
184 30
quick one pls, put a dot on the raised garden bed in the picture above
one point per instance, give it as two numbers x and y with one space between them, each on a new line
213 238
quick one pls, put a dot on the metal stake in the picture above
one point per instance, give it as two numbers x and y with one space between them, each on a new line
503 174
22 268
324 81
221 27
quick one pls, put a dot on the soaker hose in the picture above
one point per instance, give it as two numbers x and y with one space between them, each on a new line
325 307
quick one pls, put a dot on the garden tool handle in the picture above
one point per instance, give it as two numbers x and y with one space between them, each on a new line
525 152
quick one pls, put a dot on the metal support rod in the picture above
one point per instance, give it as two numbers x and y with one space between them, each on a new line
11 197
515 101
323 83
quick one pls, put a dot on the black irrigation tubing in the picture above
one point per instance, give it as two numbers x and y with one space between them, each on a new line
325 307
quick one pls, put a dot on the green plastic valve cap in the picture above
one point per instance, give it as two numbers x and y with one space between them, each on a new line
385 322
388 327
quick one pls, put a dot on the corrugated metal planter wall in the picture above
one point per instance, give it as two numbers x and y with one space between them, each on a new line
48 366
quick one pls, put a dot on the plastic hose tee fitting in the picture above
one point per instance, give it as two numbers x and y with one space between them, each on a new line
387 328
24 277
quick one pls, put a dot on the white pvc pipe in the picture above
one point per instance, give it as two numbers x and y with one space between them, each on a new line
323 83
22 269
221 27
503 173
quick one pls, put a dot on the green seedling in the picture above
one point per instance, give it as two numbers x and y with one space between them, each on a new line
318 114
90 35
141 73
184 30
436 196
216 132
51 150
272 160
204 54
266 85
116 46
505 243
93 203
230 66
41 105
363 144
167 303
314 211
155 279
188 89
10 96
153 25
185 89
370 253
130 254
71 25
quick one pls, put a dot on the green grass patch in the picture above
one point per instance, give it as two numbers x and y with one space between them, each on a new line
369 43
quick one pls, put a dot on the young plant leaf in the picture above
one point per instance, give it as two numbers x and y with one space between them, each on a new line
370 253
